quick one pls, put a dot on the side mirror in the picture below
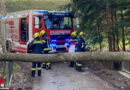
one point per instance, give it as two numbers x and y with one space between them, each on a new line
77 22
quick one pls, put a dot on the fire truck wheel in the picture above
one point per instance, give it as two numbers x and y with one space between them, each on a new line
8 46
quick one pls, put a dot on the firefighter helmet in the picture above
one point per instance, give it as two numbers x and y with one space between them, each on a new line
81 33
73 34
42 32
36 35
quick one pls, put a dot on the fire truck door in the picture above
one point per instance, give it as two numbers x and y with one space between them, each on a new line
24 30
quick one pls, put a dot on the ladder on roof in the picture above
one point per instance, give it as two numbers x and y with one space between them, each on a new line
18 13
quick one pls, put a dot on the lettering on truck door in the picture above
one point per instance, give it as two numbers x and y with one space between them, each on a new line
8 30
15 29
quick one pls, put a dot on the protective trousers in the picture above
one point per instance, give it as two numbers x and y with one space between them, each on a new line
35 66
46 65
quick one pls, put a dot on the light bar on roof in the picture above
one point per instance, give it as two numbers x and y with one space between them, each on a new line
3 17
60 12
41 11
66 12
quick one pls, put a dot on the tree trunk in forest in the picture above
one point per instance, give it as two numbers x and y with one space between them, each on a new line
117 41
8 67
123 31
113 30
61 57
123 38
117 32
98 30
108 15
114 47
110 43
29 4
2 8
115 64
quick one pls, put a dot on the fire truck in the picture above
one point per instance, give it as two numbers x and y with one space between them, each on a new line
17 29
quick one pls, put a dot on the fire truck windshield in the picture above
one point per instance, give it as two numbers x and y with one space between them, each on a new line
58 22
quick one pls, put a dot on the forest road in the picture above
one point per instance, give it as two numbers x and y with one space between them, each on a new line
63 77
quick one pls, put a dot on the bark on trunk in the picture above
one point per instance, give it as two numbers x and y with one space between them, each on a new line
108 19
117 41
117 32
114 47
100 42
123 38
2 8
123 31
110 42
29 4
113 29
61 57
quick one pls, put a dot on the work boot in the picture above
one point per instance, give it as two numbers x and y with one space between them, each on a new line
71 64
79 68
48 66
33 74
39 73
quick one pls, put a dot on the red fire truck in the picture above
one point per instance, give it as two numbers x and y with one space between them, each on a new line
17 29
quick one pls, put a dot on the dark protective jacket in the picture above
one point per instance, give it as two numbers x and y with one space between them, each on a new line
80 46
36 46
46 43
73 40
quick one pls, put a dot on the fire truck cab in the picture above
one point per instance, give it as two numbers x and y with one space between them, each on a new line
17 29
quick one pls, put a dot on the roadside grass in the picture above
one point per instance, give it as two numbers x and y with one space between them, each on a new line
16 5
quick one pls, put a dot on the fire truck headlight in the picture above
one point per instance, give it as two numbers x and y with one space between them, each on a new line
67 40
67 44
54 41
52 45
2 85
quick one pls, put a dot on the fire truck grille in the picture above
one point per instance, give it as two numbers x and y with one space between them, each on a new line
61 49
60 38
59 41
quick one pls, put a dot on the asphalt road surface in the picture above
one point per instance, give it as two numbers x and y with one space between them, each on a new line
62 77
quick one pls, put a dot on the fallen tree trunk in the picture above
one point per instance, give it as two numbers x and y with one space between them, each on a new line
61 57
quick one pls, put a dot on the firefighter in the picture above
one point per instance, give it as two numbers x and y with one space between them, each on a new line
46 42
80 46
36 47
72 47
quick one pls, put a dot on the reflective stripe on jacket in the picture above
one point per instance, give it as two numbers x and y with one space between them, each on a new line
80 45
